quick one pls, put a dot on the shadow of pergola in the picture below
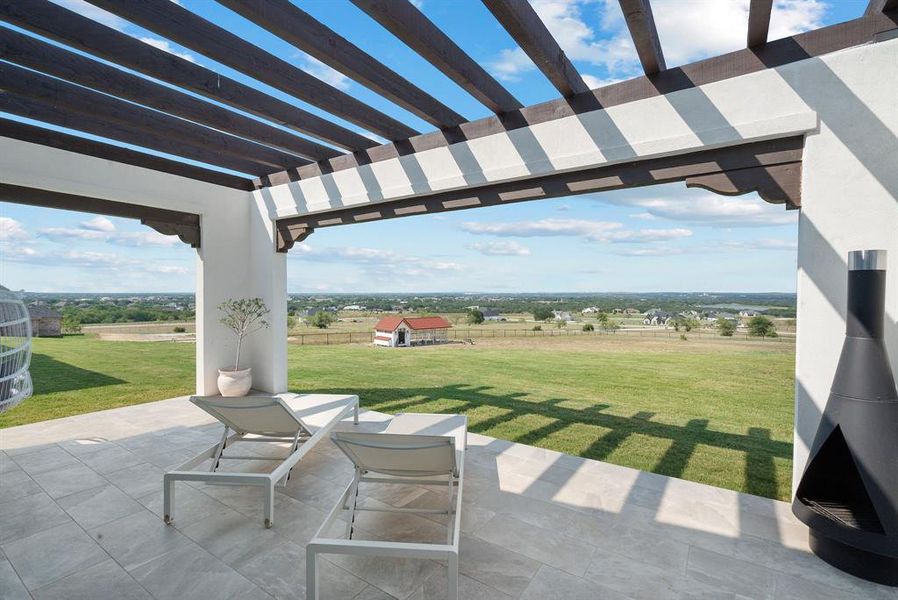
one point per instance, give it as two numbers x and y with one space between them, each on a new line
757 445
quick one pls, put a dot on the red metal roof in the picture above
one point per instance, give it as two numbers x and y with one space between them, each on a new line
417 323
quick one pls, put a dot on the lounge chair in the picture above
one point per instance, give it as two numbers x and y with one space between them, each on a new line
302 420
415 449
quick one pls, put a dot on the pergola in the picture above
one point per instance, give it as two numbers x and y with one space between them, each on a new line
807 121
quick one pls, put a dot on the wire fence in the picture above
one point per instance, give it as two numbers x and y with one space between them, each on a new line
463 335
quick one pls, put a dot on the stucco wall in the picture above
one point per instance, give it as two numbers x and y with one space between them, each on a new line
849 202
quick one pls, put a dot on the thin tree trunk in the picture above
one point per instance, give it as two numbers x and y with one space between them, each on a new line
237 362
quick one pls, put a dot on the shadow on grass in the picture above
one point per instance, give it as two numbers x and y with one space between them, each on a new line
759 449
50 375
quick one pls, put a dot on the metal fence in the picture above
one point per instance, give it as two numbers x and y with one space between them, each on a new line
367 337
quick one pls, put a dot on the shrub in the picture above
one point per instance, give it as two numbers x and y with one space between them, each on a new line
588 327
683 337
725 327
537 328
71 324
179 329
761 326
321 319
542 314
475 317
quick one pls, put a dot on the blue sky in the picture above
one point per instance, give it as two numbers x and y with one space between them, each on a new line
658 238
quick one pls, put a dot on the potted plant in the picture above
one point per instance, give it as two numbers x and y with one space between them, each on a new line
242 316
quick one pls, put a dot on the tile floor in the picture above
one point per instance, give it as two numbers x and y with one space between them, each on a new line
81 499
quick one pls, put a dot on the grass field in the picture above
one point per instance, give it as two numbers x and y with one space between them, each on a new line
718 412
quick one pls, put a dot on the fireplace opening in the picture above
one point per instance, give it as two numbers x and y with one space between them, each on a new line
832 487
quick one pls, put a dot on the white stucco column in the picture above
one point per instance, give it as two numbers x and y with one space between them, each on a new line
237 260
849 202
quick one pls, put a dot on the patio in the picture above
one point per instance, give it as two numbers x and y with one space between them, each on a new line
82 499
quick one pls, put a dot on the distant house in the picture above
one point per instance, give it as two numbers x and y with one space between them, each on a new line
491 314
393 332
656 316
749 313
354 307
45 322
632 311
590 310
562 315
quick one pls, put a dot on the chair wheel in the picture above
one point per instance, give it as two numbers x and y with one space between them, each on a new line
168 520
268 524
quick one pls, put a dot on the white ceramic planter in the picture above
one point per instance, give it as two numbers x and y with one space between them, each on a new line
235 383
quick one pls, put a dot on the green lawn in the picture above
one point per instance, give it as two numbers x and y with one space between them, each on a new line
715 412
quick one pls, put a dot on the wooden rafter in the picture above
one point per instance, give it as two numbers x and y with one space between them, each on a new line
409 24
772 168
524 25
192 31
32 53
64 141
300 29
65 26
758 22
68 97
718 68
167 222
641 23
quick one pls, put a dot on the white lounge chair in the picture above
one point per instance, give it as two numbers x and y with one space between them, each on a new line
302 420
415 449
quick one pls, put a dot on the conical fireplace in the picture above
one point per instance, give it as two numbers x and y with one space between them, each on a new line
848 495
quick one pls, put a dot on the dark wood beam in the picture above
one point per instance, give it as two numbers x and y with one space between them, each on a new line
734 64
35 54
62 25
409 24
168 222
771 168
66 96
64 141
758 22
300 29
524 25
46 112
192 31
641 24
881 6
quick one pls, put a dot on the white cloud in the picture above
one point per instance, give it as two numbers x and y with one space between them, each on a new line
10 230
98 224
500 248
706 209
688 31
384 263
166 46
597 231
93 13
120 238
788 245
86 259
325 73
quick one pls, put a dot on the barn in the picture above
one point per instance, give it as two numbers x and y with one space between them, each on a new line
45 322
410 331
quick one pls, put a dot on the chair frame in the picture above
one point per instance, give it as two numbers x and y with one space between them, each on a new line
320 544
301 443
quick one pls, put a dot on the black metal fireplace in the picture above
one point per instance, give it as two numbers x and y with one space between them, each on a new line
848 495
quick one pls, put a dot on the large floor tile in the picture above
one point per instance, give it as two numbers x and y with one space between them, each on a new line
111 458
47 459
137 480
746 579
545 545
96 506
496 566
554 583
231 536
104 580
68 480
191 573
17 484
138 538
10 584
52 554
29 515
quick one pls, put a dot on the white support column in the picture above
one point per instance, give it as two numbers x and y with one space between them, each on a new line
237 260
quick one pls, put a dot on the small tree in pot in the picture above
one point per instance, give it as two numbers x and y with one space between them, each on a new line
243 316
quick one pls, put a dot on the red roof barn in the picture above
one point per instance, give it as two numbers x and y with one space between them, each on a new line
406 331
